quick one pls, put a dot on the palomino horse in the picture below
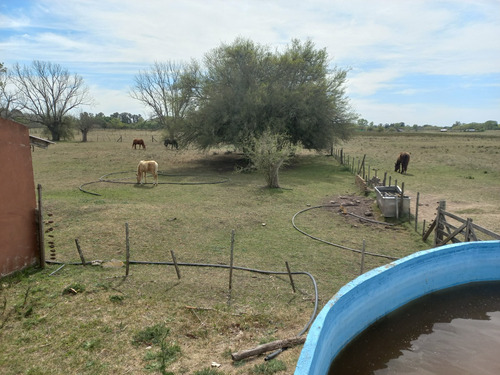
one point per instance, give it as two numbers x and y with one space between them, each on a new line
139 142
146 166
402 162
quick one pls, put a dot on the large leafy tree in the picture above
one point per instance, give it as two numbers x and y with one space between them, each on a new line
48 92
247 89
168 90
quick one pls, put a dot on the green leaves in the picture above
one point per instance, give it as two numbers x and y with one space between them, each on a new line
247 89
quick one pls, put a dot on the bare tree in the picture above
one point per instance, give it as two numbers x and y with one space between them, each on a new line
168 90
9 105
48 92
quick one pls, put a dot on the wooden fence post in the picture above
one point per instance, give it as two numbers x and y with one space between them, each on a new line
438 236
231 269
290 276
363 258
80 251
468 229
416 211
175 264
361 167
41 234
127 250
231 262
402 199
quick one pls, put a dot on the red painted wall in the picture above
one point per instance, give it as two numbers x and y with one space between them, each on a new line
18 228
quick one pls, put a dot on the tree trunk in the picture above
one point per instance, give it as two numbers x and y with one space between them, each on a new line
56 137
84 135
272 178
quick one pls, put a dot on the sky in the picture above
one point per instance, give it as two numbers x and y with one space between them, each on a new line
413 61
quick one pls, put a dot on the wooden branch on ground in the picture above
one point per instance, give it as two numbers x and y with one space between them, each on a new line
274 345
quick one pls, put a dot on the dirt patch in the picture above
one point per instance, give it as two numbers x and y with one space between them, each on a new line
427 206
356 209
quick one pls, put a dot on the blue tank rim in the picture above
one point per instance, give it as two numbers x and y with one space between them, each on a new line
411 277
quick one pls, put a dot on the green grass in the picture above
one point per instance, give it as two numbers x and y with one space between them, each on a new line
269 368
47 331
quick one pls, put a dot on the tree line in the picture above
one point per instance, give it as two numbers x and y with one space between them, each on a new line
364 125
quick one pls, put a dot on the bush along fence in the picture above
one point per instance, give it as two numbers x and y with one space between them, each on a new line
459 230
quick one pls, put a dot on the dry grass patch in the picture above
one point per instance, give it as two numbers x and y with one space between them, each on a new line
91 331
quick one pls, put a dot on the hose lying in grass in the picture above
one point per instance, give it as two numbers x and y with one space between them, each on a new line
331 243
104 179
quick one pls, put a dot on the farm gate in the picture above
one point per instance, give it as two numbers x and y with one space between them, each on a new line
449 227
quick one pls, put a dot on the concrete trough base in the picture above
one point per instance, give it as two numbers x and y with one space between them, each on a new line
373 295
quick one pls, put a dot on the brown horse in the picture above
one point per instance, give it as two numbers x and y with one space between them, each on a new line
146 166
402 162
139 142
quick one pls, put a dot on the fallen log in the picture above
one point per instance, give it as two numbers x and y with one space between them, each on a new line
278 344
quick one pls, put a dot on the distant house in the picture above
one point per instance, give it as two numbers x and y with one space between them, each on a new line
470 130
443 130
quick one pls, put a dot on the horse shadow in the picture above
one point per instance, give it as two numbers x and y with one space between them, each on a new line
147 185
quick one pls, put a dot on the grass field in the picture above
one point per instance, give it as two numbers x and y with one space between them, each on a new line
47 328
461 168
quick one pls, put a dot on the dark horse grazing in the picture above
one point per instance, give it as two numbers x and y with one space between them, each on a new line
402 162
139 142
172 142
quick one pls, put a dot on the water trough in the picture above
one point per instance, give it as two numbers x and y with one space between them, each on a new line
380 291
389 201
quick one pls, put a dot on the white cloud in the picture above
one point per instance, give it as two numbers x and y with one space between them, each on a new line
110 101
383 41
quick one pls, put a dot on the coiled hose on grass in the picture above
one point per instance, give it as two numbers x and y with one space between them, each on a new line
104 178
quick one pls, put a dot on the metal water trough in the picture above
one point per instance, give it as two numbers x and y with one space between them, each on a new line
389 201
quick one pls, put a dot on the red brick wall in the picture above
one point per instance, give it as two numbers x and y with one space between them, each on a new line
18 228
